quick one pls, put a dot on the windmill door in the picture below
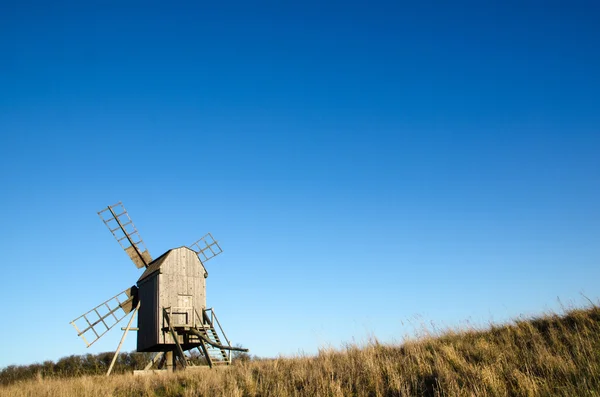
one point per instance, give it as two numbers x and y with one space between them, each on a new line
185 309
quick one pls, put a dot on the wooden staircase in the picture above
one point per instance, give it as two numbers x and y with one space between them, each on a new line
211 344
206 329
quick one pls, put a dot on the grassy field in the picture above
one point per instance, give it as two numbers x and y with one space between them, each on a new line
548 356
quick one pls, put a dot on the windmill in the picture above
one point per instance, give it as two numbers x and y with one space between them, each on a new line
169 299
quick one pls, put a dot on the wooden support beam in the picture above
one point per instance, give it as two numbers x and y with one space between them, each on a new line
157 356
169 361
122 339
179 350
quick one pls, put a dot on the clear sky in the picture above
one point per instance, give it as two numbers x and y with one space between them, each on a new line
366 167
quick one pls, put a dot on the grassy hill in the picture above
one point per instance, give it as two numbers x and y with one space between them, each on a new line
547 356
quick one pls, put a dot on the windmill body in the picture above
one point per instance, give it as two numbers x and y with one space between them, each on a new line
175 281
170 300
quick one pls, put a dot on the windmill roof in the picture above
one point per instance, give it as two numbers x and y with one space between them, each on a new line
155 265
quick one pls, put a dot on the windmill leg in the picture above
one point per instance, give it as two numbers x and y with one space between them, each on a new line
205 351
154 359
201 354
169 360
178 349
122 339
163 360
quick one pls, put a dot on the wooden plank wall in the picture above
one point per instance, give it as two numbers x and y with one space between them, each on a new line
147 335
181 274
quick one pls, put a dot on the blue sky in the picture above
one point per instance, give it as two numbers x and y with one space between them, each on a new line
366 167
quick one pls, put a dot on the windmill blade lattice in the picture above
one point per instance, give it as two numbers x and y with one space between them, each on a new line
96 322
206 248
116 218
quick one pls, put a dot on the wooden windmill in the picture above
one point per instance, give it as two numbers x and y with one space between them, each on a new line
169 298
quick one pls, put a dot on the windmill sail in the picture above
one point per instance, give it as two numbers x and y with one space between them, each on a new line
116 218
96 322
206 248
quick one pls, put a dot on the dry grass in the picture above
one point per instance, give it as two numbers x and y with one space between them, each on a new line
550 356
